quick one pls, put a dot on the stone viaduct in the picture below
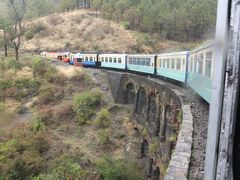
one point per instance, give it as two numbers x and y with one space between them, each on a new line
163 121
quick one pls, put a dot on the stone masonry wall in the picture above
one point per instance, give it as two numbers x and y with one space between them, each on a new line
158 112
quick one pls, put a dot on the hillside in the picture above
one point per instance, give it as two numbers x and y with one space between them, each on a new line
81 31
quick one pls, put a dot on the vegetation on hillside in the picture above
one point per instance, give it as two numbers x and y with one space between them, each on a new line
58 126
172 19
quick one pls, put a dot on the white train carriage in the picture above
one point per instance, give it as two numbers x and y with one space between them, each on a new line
117 61
173 65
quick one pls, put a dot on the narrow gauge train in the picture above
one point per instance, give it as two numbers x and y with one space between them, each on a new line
191 67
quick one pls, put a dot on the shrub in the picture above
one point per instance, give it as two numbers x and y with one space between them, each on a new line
25 87
62 111
19 170
41 145
46 94
154 147
29 35
37 124
111 168
126 24
37 28
64 168
53 76
82 78
13 64
54 20
103 119
85 104
39 67
104 137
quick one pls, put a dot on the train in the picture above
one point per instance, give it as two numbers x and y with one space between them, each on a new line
193 68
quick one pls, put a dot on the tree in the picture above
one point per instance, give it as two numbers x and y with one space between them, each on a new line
17 10
96 4
5 26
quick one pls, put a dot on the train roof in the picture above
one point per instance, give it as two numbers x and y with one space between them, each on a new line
144 55
174 53
205 45
109 54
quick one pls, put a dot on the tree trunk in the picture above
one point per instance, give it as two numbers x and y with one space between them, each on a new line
17 53
5 50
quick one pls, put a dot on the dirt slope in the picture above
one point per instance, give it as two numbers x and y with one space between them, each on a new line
81 31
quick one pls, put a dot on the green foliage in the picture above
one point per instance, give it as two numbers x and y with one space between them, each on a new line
113 169
180 117
154 147
103 119
2 106
39 67
19 170
64 168
178 20
46 93
25 87
29 35
37 124
84 105
5 147
41 144
13 64
18 89
104 137
82 78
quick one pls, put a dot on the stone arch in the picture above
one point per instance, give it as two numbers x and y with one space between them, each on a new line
129 93
145 148
164 124
141 100
159 119
152 107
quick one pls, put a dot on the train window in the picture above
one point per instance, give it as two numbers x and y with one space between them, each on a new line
102 59
119 60
200 67
208 68
178 64
94 58
195 66
164 63
115 60
173 63
200 58
138 61
168 63
86 58
79 59
110 59
160 63
209 56
191 64
143 62
91 58
106 59
148 62
183 61
130 61
134 61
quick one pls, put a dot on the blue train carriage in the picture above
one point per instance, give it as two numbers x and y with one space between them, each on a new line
201 70
89 59
117 61
141 63
172 65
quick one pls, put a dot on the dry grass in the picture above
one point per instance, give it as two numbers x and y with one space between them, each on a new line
80 30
